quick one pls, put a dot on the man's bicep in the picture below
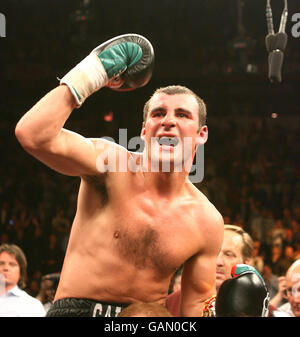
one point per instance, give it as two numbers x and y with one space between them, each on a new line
199 277
69 153
197 284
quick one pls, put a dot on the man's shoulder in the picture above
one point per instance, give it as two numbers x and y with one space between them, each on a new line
208 209
113 157
209 220
24 296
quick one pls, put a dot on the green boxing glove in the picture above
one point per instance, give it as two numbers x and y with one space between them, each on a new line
123 63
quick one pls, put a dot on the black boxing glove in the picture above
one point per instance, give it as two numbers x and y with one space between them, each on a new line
122 63
243 295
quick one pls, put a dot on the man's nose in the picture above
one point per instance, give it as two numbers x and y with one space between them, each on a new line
168 121
220 261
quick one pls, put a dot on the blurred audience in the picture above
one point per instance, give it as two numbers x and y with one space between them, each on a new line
47 289
15 302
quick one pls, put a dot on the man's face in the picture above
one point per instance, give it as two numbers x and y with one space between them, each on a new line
47 287
229 256
171 130
10 269
293 291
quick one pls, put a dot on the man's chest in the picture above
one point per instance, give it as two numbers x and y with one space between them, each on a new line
157 233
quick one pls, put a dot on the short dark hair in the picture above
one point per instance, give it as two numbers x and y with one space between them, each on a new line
176 90
17 252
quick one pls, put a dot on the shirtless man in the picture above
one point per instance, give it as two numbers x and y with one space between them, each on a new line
132 228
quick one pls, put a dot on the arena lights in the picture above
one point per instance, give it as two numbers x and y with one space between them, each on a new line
83 12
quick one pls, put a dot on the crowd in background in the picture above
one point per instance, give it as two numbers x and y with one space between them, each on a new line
251 165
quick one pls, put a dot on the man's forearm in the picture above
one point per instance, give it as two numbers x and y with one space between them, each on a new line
46 118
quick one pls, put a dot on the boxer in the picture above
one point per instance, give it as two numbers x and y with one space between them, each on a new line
132 228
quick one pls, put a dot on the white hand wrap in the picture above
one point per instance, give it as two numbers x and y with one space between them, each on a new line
85 78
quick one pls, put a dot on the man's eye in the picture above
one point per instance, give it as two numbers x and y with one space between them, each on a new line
182 115
157 114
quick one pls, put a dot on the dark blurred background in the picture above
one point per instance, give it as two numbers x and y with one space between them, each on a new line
216 48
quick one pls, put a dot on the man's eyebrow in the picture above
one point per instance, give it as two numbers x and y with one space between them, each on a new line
159 108
229 251
183 110
163 109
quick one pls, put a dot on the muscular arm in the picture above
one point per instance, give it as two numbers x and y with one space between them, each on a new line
199 273
40 131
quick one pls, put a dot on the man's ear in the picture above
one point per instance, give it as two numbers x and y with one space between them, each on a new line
202 135
143 131
247 261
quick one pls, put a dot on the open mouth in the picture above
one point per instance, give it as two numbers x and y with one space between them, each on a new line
168 141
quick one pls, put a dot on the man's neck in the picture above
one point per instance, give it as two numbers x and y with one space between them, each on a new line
165 184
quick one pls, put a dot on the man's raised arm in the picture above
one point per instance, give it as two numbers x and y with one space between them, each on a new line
123 63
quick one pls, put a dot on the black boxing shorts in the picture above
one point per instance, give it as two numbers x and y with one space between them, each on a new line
81 307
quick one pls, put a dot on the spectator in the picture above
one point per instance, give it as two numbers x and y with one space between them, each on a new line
295 227
270 279
275 260
61 228
48 288
33 287
297 251
288 258
15 302
257 260
237 248
256 222
52 256
286 217
289 289
277 233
